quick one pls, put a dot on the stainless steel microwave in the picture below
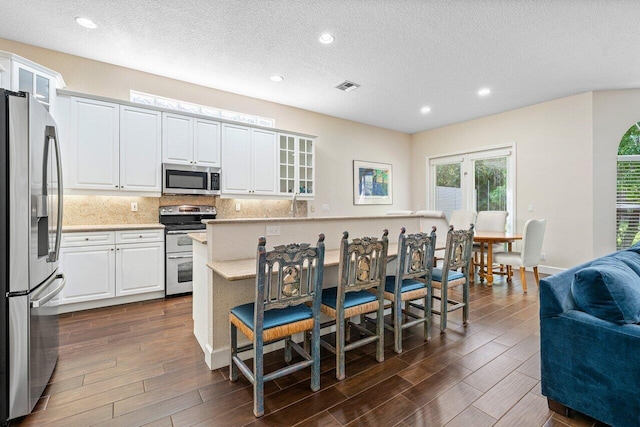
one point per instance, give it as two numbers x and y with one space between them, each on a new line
190 179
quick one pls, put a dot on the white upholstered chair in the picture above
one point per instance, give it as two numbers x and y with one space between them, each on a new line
438 219
532 238
461 220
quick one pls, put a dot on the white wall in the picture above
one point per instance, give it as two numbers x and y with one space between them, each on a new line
554 168
339 141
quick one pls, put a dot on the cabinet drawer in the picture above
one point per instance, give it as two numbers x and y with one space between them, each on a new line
87 239
139 236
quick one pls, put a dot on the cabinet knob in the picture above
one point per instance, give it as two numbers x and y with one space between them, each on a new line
140 237
112 250
86 238
116 186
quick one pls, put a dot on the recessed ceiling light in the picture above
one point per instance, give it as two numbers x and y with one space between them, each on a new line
326 38
85 22
276 78
425 110
484 91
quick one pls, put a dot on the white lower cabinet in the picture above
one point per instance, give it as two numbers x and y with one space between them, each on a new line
139 268
90 273
133 263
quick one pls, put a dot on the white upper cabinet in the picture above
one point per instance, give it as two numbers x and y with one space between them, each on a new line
206 142
177 139
263 161
296 170
94 140
236 157
190 141
249 158
108 146
20 74
140 149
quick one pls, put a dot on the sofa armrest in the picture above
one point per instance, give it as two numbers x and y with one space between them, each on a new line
555 292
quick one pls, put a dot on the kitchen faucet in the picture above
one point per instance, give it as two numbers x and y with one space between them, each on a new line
294 206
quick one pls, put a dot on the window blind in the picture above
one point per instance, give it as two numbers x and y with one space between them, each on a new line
628 201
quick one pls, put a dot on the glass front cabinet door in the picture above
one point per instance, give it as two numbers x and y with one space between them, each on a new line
20 74
296 165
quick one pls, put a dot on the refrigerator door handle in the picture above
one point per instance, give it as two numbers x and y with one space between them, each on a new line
48 297
51 134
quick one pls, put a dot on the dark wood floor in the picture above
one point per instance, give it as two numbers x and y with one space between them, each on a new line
139 364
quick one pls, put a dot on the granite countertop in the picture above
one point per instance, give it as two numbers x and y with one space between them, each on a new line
246 268
304 219
199 237
109 227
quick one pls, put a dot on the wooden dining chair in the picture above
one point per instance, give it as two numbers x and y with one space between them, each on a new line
412 281
361 275
529 257
454 272
287 301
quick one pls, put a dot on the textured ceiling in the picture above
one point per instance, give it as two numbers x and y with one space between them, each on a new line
405 54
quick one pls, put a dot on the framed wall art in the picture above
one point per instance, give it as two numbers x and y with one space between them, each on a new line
372 183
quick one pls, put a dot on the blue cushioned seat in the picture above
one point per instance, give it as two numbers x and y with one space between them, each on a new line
351 299
453 275
407 284
274 317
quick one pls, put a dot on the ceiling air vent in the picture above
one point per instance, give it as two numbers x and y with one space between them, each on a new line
347 86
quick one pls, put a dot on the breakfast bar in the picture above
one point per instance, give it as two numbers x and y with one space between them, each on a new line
231 264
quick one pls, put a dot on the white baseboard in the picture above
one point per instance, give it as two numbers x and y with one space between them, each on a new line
88 305
547 269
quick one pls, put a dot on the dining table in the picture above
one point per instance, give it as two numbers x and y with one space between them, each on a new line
488 239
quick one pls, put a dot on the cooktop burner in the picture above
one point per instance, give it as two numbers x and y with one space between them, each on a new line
186 217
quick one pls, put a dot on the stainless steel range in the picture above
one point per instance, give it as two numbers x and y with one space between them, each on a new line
179 221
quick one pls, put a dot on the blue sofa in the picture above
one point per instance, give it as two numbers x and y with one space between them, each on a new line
590 339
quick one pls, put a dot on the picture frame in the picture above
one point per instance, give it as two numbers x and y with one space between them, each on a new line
372 183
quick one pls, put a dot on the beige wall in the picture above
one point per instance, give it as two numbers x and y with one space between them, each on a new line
614 112
554 156
339 141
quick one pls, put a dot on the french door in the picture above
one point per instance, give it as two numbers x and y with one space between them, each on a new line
475 181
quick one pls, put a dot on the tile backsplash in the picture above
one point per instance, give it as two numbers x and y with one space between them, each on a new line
94 210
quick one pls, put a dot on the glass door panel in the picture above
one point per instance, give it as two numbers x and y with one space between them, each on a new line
287 164
448 188
490 183
25 80
42 90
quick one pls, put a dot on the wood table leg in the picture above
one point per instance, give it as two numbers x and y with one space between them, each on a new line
481 270
489 265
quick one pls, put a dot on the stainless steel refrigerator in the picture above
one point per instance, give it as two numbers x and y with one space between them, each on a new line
30 231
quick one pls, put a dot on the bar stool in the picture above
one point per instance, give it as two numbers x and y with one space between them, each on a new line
287 301
362 268
457 256
412 281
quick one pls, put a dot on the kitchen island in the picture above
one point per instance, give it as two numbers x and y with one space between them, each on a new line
231 263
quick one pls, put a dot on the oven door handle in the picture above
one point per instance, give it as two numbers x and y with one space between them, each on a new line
183 232
179 256
45 299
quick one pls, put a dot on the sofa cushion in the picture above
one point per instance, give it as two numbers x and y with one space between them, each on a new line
608 289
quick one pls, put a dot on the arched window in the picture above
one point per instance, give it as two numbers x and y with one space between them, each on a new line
628 189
